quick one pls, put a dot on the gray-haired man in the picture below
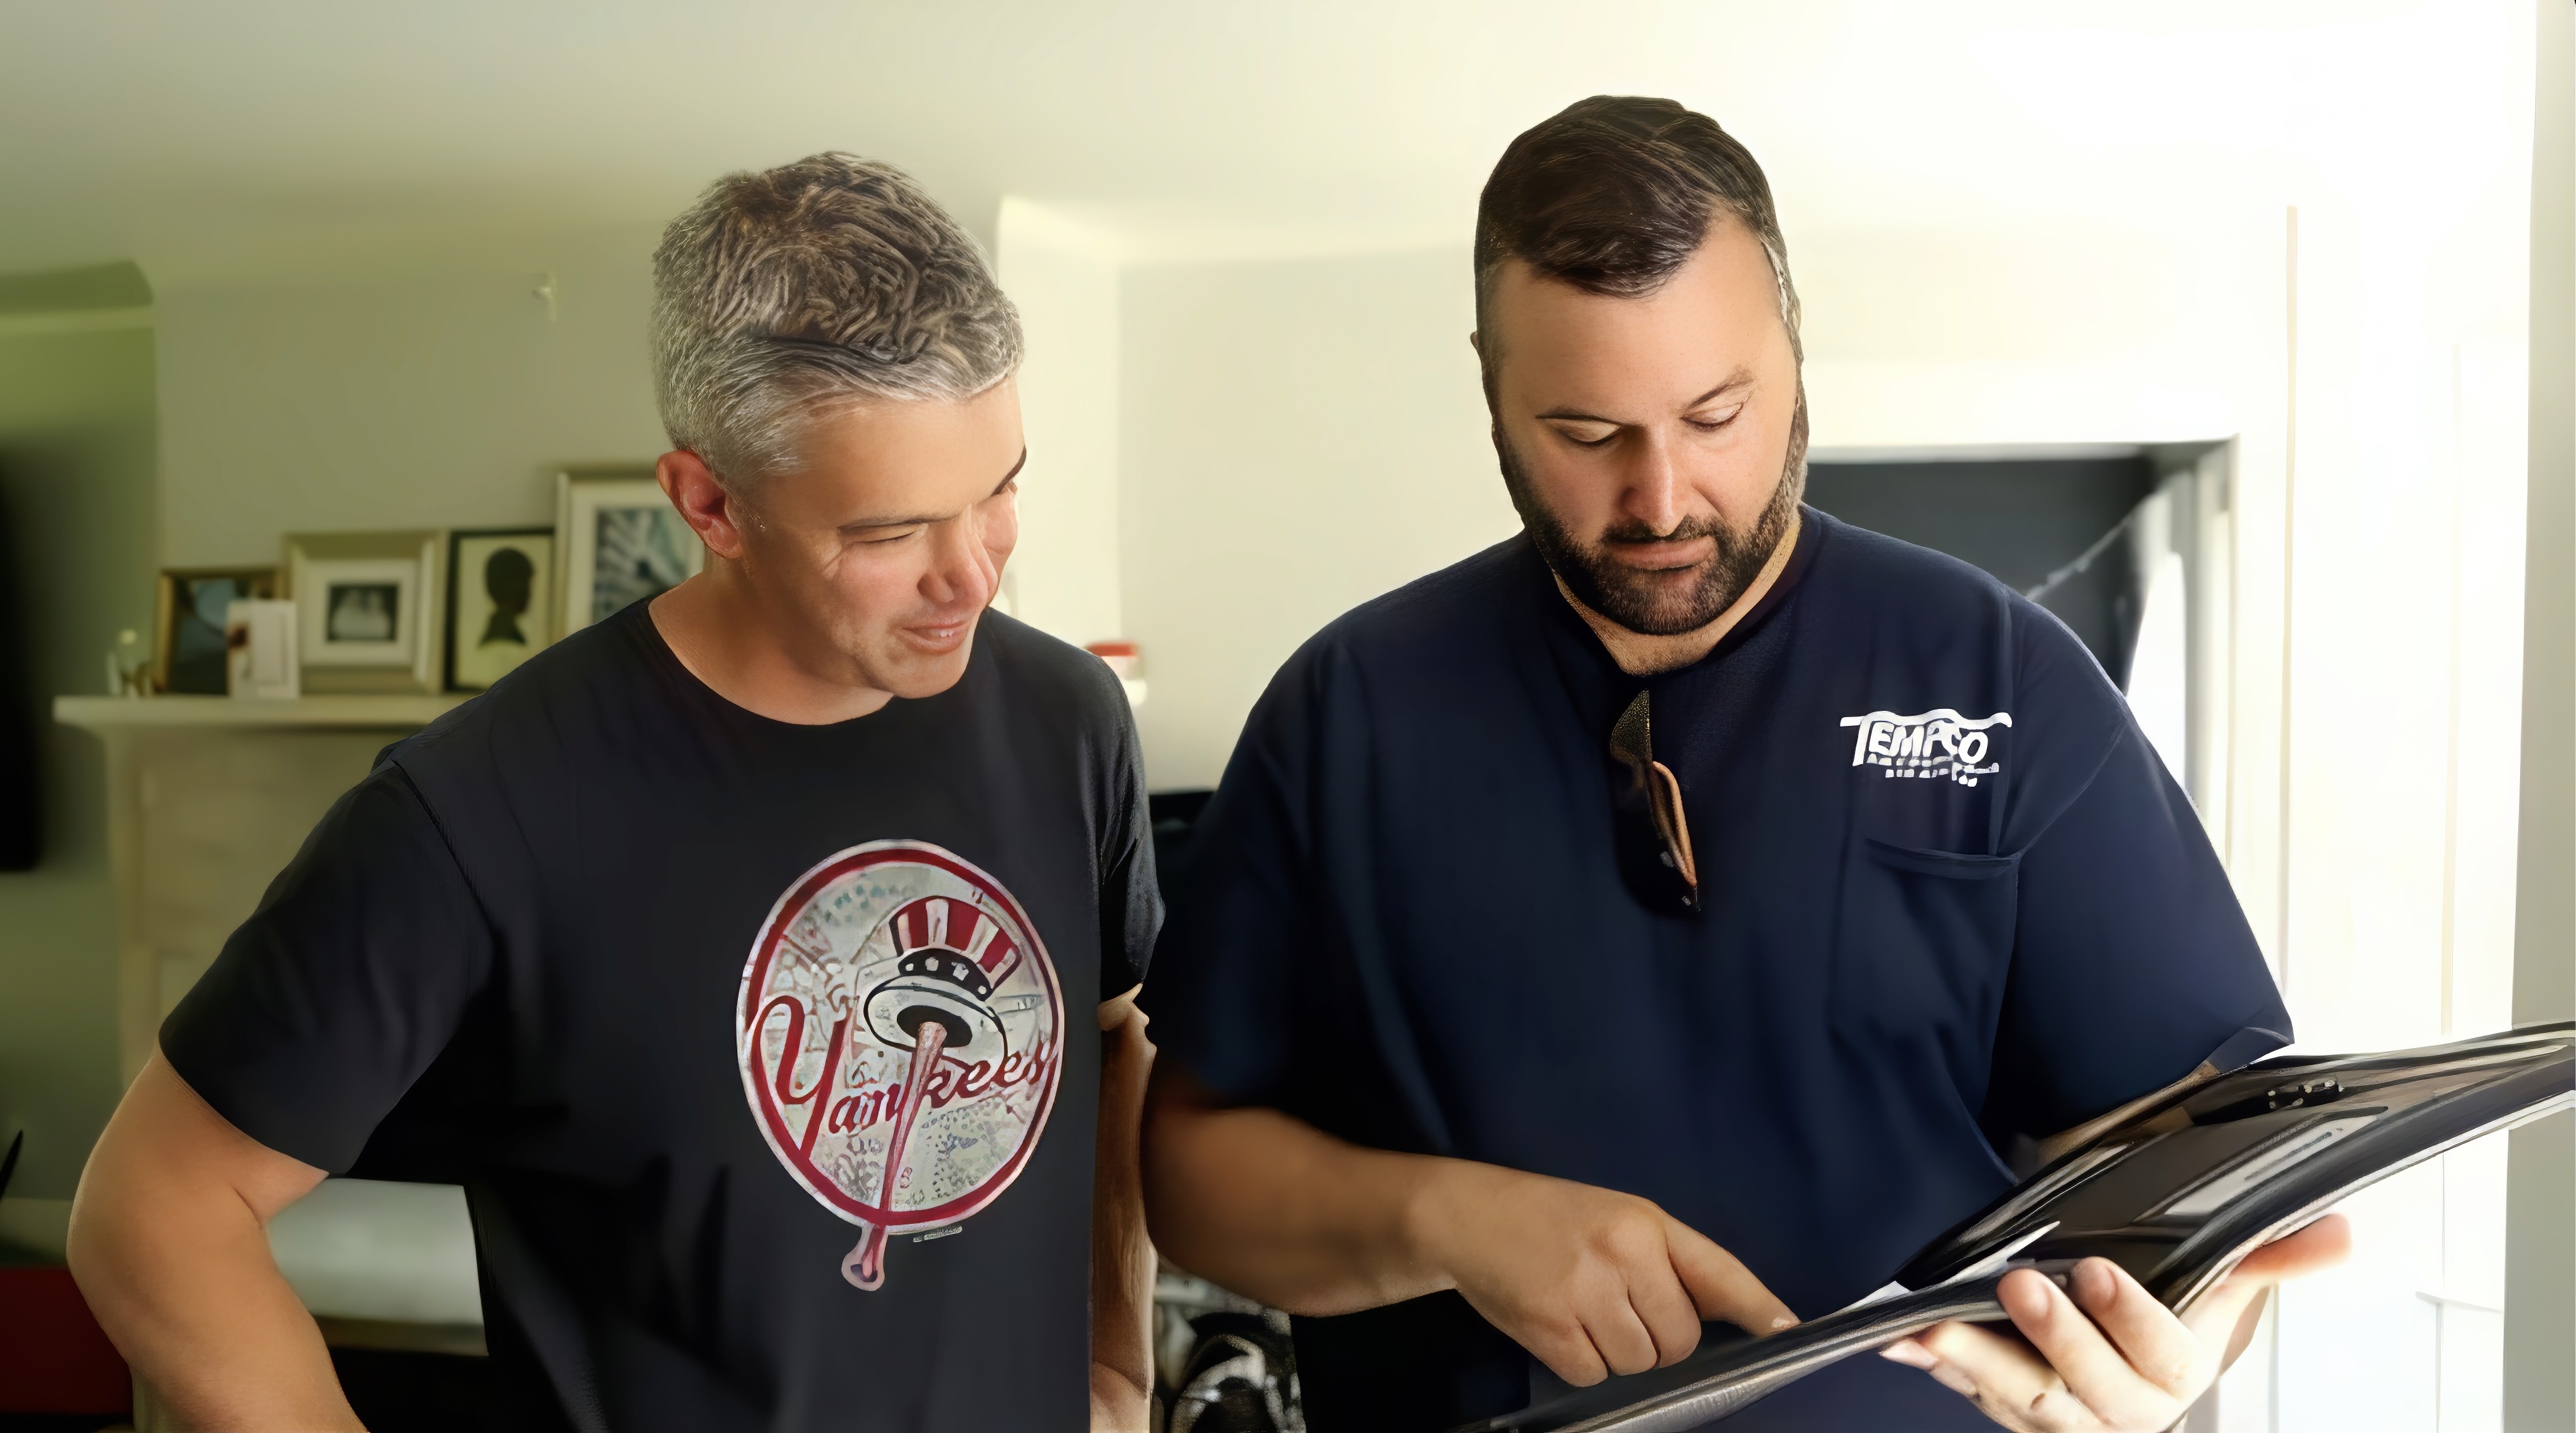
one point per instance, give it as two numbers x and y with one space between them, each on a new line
733 952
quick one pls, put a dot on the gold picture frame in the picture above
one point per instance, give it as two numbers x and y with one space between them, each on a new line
371 609
188 642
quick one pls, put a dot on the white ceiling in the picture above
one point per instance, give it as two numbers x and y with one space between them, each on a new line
218 141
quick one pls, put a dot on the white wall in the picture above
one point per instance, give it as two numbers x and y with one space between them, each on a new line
1296 437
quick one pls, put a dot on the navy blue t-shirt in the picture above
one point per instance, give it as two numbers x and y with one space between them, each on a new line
1949 894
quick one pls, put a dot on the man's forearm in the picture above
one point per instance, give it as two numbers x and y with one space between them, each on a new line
207 1321
1275 1209
175 1264
1122 1257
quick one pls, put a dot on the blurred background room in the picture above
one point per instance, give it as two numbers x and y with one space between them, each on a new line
2243 334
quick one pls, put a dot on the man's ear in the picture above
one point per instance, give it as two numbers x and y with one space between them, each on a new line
703 501
1476 341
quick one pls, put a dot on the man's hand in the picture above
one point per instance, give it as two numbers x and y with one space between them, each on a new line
2111 1357
1592 1282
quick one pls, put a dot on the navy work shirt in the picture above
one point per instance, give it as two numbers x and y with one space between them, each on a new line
1948 894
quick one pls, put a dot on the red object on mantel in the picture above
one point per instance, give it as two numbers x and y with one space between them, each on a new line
53 1356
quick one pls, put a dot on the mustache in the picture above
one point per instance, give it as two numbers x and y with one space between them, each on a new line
1633 532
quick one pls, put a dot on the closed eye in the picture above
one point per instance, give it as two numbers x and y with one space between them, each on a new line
1588 435
1711 423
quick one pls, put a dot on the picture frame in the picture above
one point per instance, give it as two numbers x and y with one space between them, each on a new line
190 617
501 607
370 610
619 541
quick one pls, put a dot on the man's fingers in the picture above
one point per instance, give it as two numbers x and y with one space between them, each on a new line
2010 1382
1669 1316
2107 1354
2320 1245
2219 1316
1719 1285
2130 1380
1566 1348
1620 1337
2156 1346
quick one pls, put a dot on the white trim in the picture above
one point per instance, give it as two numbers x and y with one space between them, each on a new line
1978 453
93 320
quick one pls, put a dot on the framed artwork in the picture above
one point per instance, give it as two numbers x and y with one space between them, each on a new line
622 542
194 607
500 585
369 609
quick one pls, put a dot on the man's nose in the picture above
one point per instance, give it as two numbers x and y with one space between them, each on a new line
1654 486
961 571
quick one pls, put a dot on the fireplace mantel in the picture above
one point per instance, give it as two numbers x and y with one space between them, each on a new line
207 799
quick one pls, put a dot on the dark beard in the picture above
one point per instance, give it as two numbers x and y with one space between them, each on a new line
1630 598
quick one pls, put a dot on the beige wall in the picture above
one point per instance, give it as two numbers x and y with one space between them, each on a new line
1295 439
2540 1287
429 400
76 481
1063 277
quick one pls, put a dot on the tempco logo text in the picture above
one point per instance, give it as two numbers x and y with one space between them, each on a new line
1928 745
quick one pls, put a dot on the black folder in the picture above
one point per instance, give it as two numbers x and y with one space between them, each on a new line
2175 1191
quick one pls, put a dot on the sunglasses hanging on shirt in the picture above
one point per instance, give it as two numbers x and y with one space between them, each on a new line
1653 834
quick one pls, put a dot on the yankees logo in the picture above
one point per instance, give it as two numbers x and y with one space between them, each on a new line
900 1033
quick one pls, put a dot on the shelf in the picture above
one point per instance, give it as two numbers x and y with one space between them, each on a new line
400 712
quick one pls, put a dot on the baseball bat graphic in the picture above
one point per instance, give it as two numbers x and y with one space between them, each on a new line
865 1267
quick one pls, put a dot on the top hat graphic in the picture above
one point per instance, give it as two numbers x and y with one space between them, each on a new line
951 956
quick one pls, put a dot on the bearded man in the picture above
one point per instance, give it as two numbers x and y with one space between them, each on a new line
1684 910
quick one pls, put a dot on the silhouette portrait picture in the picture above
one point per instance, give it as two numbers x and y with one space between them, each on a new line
500 586
507 574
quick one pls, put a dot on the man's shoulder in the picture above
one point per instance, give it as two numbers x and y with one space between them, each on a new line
1900 576
596 668
1902 587
1437 612
1036 664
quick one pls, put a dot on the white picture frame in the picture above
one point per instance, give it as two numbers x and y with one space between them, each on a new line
260 642
370 610
618 541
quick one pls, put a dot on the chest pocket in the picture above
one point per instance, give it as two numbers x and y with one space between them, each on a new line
1925 943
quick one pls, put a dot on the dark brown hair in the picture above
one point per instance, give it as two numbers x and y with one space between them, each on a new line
1614 193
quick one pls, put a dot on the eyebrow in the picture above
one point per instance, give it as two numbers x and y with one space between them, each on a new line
870 524
1740 378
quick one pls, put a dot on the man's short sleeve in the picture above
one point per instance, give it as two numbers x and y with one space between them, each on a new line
1226 988
2133 962
343 986
1131 905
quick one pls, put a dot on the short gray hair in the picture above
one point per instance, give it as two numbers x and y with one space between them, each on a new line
784 294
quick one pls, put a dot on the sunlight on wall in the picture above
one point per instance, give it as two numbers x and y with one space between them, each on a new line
1064 279
2160 668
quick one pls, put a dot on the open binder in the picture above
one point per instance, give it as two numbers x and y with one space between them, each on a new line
2175 1191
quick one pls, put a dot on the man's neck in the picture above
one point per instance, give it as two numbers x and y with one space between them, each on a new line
1641 655
718 629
